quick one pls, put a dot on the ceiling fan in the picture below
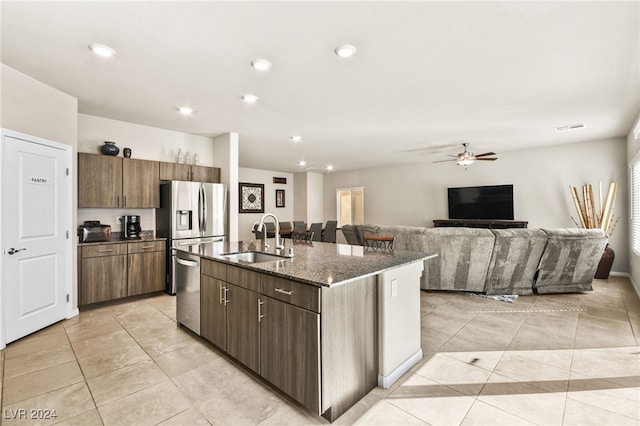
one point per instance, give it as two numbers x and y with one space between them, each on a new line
467 158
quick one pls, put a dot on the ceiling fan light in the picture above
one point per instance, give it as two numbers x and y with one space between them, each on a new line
465 162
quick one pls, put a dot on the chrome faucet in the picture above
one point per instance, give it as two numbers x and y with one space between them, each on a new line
261 225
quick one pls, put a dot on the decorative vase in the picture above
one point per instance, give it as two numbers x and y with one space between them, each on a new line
604 267
126 152
109 148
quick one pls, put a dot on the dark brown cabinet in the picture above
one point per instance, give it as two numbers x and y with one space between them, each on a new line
111 271
213 315
290 350
176 171
99 180
112 182
146 268
229 312
103 274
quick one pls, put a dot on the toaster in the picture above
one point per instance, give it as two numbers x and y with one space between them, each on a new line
93 232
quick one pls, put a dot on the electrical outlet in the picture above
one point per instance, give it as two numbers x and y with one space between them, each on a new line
394 288
119 220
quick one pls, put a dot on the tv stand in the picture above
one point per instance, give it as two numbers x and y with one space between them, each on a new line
479 223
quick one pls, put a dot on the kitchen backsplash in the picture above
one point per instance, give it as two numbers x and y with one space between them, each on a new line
109 217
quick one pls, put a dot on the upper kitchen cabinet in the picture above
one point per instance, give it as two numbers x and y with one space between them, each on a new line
99 180
140 183
186 172
112 182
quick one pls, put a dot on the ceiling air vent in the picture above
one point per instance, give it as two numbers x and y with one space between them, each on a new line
568 127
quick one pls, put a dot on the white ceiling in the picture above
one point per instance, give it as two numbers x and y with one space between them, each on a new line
426 76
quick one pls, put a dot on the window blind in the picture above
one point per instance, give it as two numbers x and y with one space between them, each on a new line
635 206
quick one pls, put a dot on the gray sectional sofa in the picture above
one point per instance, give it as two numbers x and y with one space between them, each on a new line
498 261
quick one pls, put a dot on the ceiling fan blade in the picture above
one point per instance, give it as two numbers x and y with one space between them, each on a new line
442 161
486 159
485 154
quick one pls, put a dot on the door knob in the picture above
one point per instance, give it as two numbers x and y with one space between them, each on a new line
14 251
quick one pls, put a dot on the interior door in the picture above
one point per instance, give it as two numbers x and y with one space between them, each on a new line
35 221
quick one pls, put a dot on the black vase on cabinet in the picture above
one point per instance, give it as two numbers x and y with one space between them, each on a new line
109 148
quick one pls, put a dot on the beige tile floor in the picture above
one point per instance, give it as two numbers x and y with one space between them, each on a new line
570 359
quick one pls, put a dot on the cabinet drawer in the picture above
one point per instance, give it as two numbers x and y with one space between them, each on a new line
244 278
104 250
214 269
146 246
305 296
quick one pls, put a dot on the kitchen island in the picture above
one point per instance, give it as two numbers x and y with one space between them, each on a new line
324 326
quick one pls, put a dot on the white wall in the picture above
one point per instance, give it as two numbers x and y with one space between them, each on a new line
31 107
315 199
633 149
300 189
225 156
246 220
416 194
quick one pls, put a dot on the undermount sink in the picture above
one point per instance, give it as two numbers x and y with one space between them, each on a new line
253 257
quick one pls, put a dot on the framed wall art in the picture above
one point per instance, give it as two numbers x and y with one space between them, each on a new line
251 197
279 197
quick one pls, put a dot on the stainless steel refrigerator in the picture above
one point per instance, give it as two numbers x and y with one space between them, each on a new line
190 213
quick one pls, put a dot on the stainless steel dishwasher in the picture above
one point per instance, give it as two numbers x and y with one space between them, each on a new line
187 273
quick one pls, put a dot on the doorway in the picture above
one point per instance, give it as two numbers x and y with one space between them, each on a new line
36 267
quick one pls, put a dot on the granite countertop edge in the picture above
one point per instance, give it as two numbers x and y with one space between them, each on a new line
123 240
320 264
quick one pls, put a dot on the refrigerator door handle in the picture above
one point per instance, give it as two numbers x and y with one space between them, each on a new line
200 218
204 208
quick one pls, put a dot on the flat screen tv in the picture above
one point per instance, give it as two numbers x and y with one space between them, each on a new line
481 202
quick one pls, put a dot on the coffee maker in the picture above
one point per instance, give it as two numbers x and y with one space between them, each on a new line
132 227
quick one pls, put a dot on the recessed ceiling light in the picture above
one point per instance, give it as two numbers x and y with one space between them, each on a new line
185 110
345 51
261 64
102 50
302 163
568 127
249 98
296 138
329 167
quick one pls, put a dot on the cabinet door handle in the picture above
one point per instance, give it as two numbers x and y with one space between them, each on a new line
105 250
125 201
118 200
226 299
147 247
220 286
260 316
283 291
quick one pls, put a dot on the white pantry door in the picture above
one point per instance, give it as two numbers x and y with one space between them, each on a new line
35 221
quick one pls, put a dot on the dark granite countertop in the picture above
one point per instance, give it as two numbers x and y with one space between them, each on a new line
118 238
320 264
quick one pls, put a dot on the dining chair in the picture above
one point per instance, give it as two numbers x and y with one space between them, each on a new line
329 234
316 230
303 236
299 225
285 229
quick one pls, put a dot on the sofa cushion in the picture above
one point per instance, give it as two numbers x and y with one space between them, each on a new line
407 237
570 260
514 261
463 258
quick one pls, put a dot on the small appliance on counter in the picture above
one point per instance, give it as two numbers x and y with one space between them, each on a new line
93 232
132 227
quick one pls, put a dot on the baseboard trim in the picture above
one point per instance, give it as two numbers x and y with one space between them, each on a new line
386 381
619 274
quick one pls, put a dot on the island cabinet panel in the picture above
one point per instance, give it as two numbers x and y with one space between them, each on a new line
213 315
99 181
140 183
243 332
103 278
303 295
214 269
290 351
349 345
244 278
